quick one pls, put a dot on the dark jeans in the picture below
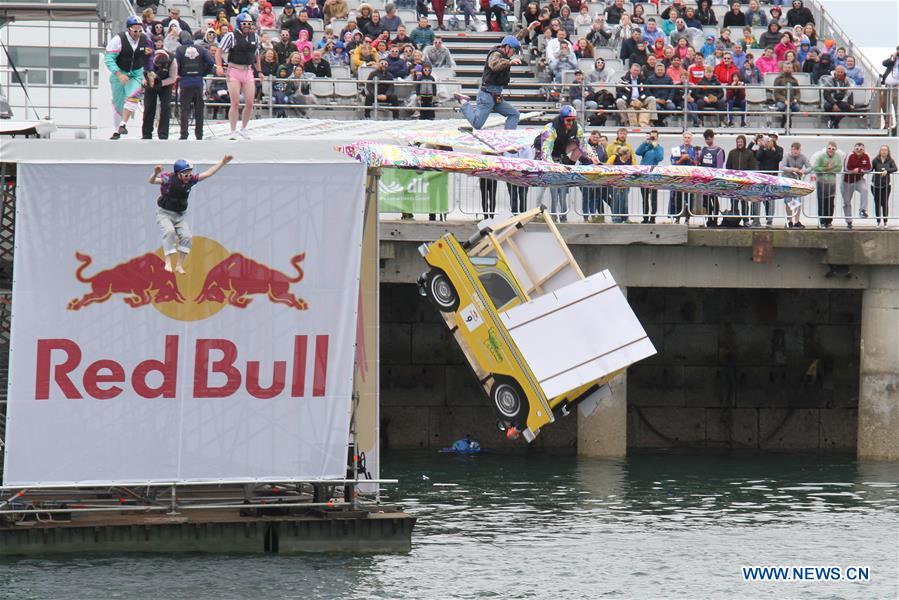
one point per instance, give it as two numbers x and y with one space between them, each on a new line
741 207
590 202
427 103
518 198
391 101
650 204
712 208
192 103
835 119
678 204
498 13
881 202
162 95
488 196
826 192
734 105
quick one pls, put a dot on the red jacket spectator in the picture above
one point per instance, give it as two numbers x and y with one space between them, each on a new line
857 161
725 70
696 72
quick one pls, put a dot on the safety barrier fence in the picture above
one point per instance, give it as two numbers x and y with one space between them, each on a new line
403 100
806 101
474 198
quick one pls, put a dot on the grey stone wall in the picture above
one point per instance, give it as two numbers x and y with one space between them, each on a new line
429 396
739 368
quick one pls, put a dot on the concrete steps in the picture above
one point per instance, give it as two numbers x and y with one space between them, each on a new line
469 50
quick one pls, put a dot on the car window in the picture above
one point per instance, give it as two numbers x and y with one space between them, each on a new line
500 291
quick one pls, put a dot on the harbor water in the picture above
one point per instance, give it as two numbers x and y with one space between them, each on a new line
544 526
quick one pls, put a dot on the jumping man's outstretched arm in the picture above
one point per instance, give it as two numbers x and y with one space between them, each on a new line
154 178
214 168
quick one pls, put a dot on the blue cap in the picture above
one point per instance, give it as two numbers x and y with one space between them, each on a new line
339 45
567 111
510 41
132 20
182 165
244 17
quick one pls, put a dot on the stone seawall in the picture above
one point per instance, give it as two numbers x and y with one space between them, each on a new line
737 368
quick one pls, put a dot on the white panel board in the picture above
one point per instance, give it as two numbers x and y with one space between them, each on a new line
578 334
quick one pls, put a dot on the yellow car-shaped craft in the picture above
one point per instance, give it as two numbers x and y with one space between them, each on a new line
473 285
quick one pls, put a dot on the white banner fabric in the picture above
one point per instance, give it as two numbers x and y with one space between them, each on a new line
242 369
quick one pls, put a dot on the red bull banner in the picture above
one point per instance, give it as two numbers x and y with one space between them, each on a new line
224 351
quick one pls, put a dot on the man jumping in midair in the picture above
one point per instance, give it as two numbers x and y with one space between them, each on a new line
496 76
174 189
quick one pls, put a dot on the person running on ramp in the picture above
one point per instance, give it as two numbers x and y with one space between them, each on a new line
126 56
172 205
496 76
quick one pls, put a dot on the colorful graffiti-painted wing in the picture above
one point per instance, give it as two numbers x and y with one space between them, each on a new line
747 185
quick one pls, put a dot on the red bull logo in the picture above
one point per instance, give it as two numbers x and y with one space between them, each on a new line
215 278
60 366
142 280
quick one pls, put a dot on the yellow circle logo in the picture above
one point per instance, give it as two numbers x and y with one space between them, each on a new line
204 254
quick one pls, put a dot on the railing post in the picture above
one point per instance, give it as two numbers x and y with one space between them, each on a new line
788 121
686 91
271 96
377 81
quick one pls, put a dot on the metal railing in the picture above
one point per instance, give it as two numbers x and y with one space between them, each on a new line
330 93
475 198
347 94
759 102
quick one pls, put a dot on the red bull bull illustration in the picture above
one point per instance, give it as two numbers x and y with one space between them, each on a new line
218 278
236 277
143 280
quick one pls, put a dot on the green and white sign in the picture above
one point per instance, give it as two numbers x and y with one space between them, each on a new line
403 190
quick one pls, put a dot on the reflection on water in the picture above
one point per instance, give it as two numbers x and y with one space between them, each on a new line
549 526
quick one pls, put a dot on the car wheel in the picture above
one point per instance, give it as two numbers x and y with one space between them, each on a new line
509 400
441 291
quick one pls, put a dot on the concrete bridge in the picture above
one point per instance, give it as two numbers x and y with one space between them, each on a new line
767 340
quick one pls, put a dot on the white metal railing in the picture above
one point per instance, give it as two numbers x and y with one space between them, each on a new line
339 94
474 198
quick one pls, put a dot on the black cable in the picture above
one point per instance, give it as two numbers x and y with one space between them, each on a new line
21 81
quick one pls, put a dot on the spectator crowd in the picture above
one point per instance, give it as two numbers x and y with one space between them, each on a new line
680 62
848 174
289 52
686 60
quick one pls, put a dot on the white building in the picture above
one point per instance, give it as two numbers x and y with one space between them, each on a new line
58 73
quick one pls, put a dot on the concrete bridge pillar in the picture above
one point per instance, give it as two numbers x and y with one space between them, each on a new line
604 433
878 401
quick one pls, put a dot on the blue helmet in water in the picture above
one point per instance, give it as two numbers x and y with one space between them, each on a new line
130 21
510 41
182 165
